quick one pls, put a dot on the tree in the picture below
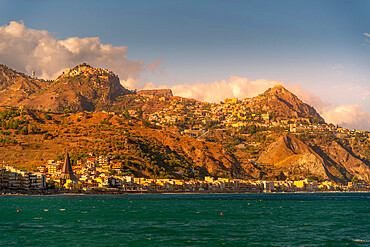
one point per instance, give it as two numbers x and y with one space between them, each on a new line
24 130
126 114
112 172
50 183
140 114
47 135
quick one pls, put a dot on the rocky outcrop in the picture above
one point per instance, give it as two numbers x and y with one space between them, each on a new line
350 165
311 163
295 157
327 160
284 151
156 92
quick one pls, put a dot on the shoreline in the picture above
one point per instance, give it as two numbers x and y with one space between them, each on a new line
81 193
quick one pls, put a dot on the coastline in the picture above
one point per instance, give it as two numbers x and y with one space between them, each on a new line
63 192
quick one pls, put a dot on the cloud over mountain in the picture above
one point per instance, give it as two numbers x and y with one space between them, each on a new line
349 116
30 50
236 87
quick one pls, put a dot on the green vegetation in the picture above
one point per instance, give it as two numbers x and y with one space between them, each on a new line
7 140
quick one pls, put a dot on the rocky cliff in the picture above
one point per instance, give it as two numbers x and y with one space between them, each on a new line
156 92
326 159
293 157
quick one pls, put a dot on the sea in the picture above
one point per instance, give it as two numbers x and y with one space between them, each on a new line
286 219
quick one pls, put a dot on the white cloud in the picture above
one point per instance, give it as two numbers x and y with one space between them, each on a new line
28 50
157 67
349 116
236 87
308 97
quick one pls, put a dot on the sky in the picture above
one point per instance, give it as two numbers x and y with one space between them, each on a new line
208 50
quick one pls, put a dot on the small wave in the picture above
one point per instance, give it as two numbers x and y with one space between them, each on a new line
37 218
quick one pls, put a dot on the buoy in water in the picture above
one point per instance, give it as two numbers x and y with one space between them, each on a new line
17 210
222 213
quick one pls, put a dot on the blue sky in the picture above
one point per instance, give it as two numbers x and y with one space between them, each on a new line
319 45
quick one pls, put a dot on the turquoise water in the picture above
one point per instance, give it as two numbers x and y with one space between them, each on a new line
333 219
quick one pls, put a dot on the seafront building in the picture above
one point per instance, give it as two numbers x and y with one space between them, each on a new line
14 178
94 174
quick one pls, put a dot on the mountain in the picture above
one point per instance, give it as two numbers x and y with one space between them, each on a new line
79 89
84 88
279 102
155 134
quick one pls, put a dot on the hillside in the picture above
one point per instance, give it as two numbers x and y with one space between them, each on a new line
155 134
28 138
144 149
16 87
78 89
